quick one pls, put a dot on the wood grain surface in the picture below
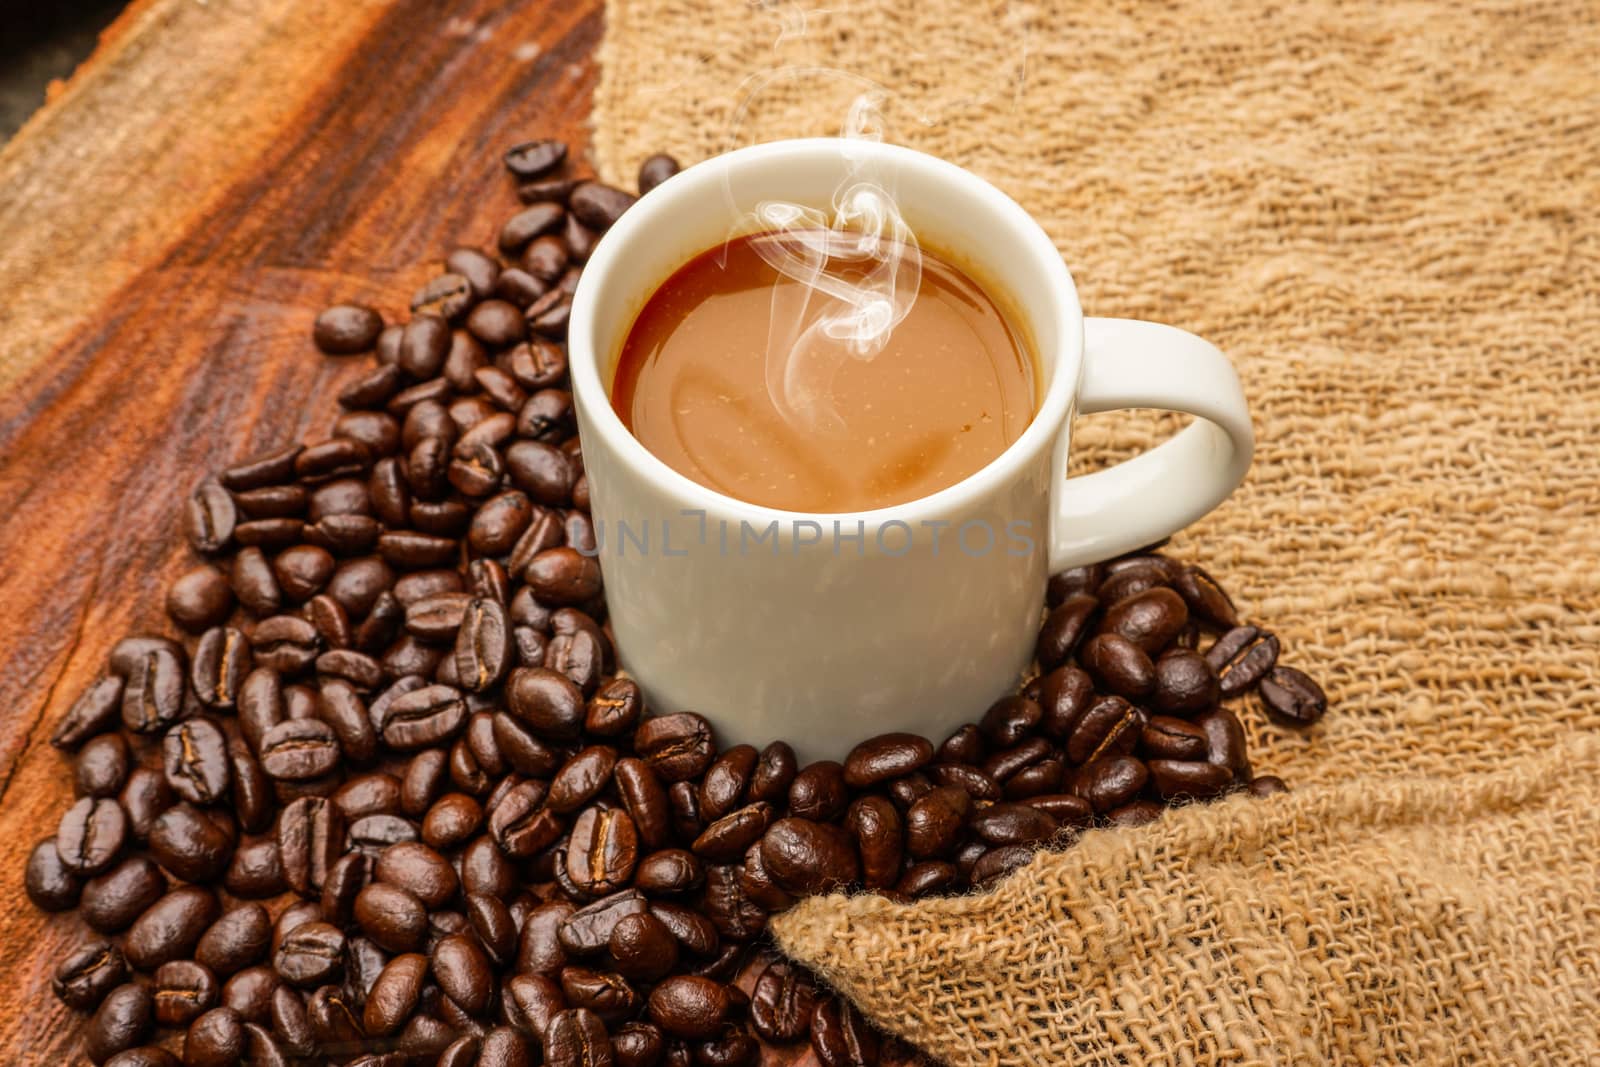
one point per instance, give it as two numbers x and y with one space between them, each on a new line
174 219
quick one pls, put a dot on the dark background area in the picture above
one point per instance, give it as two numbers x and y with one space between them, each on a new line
41 40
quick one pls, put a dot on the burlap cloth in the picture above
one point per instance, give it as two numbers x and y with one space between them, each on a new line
1389 216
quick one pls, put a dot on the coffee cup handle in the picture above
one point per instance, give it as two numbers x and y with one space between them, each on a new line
1128 363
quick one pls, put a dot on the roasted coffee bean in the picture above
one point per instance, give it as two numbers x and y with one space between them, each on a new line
342 883
1292 698
603 850
372 834
876 826
359 671
94 712
199 598
563 576
932 823
689 1007
782 1003
452 820
527 224
774 773
1164 737
607 995
395 994
819 792
669 871
579 656
655 170
310 833
417 868
495 927
519 823
347 329
1192 779
927 877
256 870
336 458
908 790
170 928
598 206
724 901
535 159
84 977
1225 742
1186 684
587 930
483 647
999 862
113 900
189 844
553 707
1242 657
615 709
1150 620
222 661
346 719
677 747
101 766
254 582
1045 776
727 838
88 838
1012 824
1010 721
270 534
392 917
249 993
725 781
1111 782
1206 599
310 954
124 1019
287 644
840 1037
1266 785
463 972
577 1038
215 1039
236 940
582 778
209 517
184 990
1065 626
638 1045
885 757
1119 665
153 691
1110 727
421 718
145 795
811 857
291 1022
195 760
299 749
446 296
545 258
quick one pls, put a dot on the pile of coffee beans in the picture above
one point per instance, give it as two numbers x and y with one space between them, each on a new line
389 800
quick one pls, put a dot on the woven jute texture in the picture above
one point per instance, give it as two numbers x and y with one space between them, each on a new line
1389 216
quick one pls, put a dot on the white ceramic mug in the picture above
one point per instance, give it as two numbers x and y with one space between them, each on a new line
826 629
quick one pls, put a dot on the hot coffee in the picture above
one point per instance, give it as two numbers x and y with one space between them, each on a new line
736 374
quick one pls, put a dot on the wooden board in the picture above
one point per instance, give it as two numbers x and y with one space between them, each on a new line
174 219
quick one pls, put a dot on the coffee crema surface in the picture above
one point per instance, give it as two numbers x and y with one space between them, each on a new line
711 380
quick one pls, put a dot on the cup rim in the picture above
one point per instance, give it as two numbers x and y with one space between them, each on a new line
681 192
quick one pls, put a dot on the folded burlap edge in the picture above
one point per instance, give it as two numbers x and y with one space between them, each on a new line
868 948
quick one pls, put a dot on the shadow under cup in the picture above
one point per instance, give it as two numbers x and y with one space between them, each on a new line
825 629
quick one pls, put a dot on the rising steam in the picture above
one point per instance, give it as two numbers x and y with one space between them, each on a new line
859 270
